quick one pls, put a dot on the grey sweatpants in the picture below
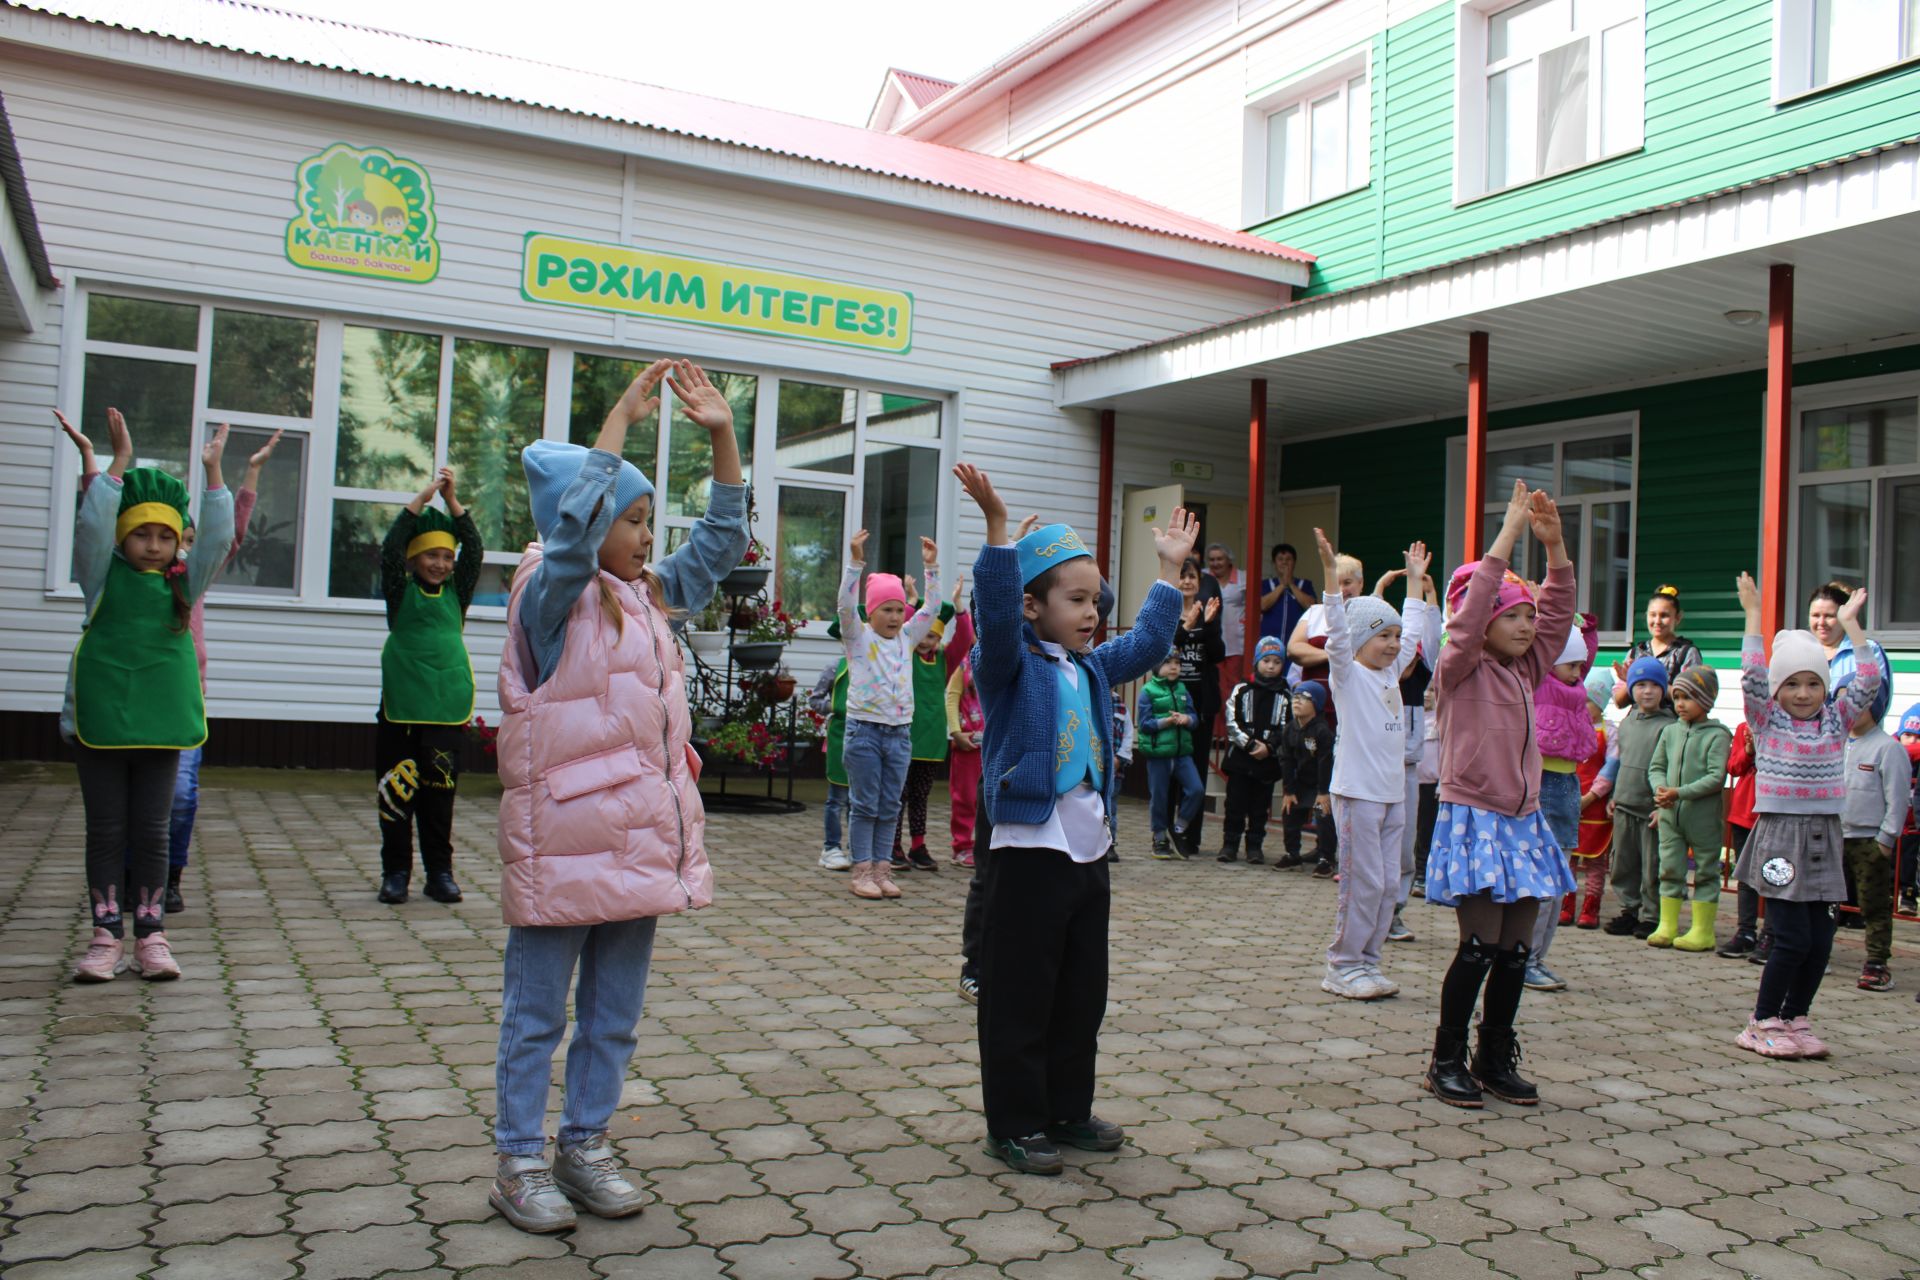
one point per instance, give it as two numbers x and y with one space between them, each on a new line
128 793
1636 865
1371 835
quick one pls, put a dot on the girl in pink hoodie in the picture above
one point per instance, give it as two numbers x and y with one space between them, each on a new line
1494 858
600 821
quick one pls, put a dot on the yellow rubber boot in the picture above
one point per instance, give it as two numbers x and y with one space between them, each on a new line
1669 924
1700 936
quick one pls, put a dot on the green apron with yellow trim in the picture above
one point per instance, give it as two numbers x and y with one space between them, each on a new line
426 676
135 681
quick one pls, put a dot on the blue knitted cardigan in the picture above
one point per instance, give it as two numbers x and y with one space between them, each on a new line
1019 688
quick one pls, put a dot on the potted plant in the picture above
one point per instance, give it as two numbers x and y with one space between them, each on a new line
759 647
744 739
783 682
751 574
706 632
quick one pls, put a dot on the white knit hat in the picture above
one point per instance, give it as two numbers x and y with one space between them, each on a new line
1794 652
1367 616
1575 649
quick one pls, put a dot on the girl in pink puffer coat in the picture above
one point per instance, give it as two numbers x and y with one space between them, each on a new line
1563 728
600 821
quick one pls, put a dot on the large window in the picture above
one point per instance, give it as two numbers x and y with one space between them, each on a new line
1317 142
1825 42
1858 483
175 370
1547 86
369 413
1589 468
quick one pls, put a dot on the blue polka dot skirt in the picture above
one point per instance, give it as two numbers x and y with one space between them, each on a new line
1477 850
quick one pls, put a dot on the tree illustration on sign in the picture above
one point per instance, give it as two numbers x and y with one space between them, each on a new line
347 190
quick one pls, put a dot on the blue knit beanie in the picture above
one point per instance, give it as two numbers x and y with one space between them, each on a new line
1647 668
1313 692
1045 547
1910 722
552 465
1269 647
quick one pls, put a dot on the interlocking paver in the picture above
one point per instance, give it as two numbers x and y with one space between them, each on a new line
317 1093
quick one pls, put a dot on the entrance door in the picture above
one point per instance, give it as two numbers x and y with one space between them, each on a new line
1139 562
1226 523
1301 512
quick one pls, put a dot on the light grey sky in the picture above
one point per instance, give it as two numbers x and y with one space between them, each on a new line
816 57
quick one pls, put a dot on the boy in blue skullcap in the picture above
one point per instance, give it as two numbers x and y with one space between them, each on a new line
1048 761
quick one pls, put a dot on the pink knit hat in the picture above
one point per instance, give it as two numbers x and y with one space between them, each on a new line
885 588
1513 589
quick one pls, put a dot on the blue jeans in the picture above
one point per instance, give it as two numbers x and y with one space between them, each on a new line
1560 806
1180 770
876 756
186 803
837 806
612 960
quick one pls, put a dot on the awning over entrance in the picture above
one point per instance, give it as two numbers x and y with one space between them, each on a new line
1676 291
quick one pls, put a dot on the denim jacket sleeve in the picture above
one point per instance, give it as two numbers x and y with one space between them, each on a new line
569 559
689 577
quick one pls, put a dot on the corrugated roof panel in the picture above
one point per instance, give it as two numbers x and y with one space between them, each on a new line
321 42
921 90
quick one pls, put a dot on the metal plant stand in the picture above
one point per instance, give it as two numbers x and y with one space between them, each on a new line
719 695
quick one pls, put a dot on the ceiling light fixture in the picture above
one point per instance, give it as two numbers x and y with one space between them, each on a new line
1741 318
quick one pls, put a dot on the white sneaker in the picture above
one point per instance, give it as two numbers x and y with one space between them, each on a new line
1387 986
834 858
1355 983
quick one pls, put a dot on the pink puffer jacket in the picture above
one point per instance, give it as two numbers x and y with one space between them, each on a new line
1562 724
601 819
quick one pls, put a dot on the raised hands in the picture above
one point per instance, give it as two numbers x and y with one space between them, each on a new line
1544 515
857 547
1386 580
1175 543
210 454
1212 610
1419 559
1749 592
1027 524
929 552
1850 618
446 490
419 501
641 399
257 461
80 441
992 506
1328 581
698 398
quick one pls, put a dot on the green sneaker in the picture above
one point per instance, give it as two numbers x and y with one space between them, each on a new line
1091 1134
1031 1154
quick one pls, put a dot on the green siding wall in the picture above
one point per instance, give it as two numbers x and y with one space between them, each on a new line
1696 508
1710 124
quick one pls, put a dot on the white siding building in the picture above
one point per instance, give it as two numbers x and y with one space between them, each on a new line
178 153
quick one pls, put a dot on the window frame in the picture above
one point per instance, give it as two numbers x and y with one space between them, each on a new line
319 491
1560 435
1835 395
1793 40
1302 91
1472 74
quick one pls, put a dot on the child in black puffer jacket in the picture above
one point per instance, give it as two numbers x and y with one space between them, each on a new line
1257 719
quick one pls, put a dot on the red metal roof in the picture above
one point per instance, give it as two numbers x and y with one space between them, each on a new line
321 42
921 90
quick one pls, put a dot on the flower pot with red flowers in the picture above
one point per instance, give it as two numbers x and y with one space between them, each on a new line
758 646
750 575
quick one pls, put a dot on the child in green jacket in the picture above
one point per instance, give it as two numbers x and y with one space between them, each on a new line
1688 772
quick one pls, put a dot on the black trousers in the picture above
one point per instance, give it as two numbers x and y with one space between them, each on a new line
976 911
417 768
1296 819
1249 806
1043 988
1428 814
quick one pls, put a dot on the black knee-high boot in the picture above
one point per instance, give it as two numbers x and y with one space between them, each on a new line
1447 1074
1496 1056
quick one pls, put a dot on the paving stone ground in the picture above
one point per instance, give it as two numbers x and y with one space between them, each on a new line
314 1098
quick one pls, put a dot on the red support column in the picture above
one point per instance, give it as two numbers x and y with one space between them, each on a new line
1775 433
1476 498
1256 512
1103 542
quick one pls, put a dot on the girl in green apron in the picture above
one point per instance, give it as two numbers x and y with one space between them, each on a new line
133 701
426 686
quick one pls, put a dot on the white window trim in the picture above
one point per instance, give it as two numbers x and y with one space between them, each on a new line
1833 395
319 493
1300 92
1793 55
1570 431
1470 106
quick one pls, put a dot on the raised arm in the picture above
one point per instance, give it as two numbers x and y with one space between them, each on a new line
1756 697
923 618
997 594
1140 648
847 603
1860 691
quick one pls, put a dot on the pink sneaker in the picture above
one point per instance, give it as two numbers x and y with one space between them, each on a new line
153 958
963 857
106 957
1811 1045
1769 1039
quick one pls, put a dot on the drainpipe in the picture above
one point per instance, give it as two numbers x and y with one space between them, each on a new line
1476 498
1256 513
1773 451
1103 543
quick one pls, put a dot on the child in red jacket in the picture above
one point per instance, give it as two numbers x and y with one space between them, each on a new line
1588 857
1744 941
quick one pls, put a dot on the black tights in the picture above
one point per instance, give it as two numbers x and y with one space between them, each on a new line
1501 964
1802 944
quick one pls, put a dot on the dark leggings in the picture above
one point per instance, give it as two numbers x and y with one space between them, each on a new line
1206 705
973 920
1428 814
1802 945
129 800
913 809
